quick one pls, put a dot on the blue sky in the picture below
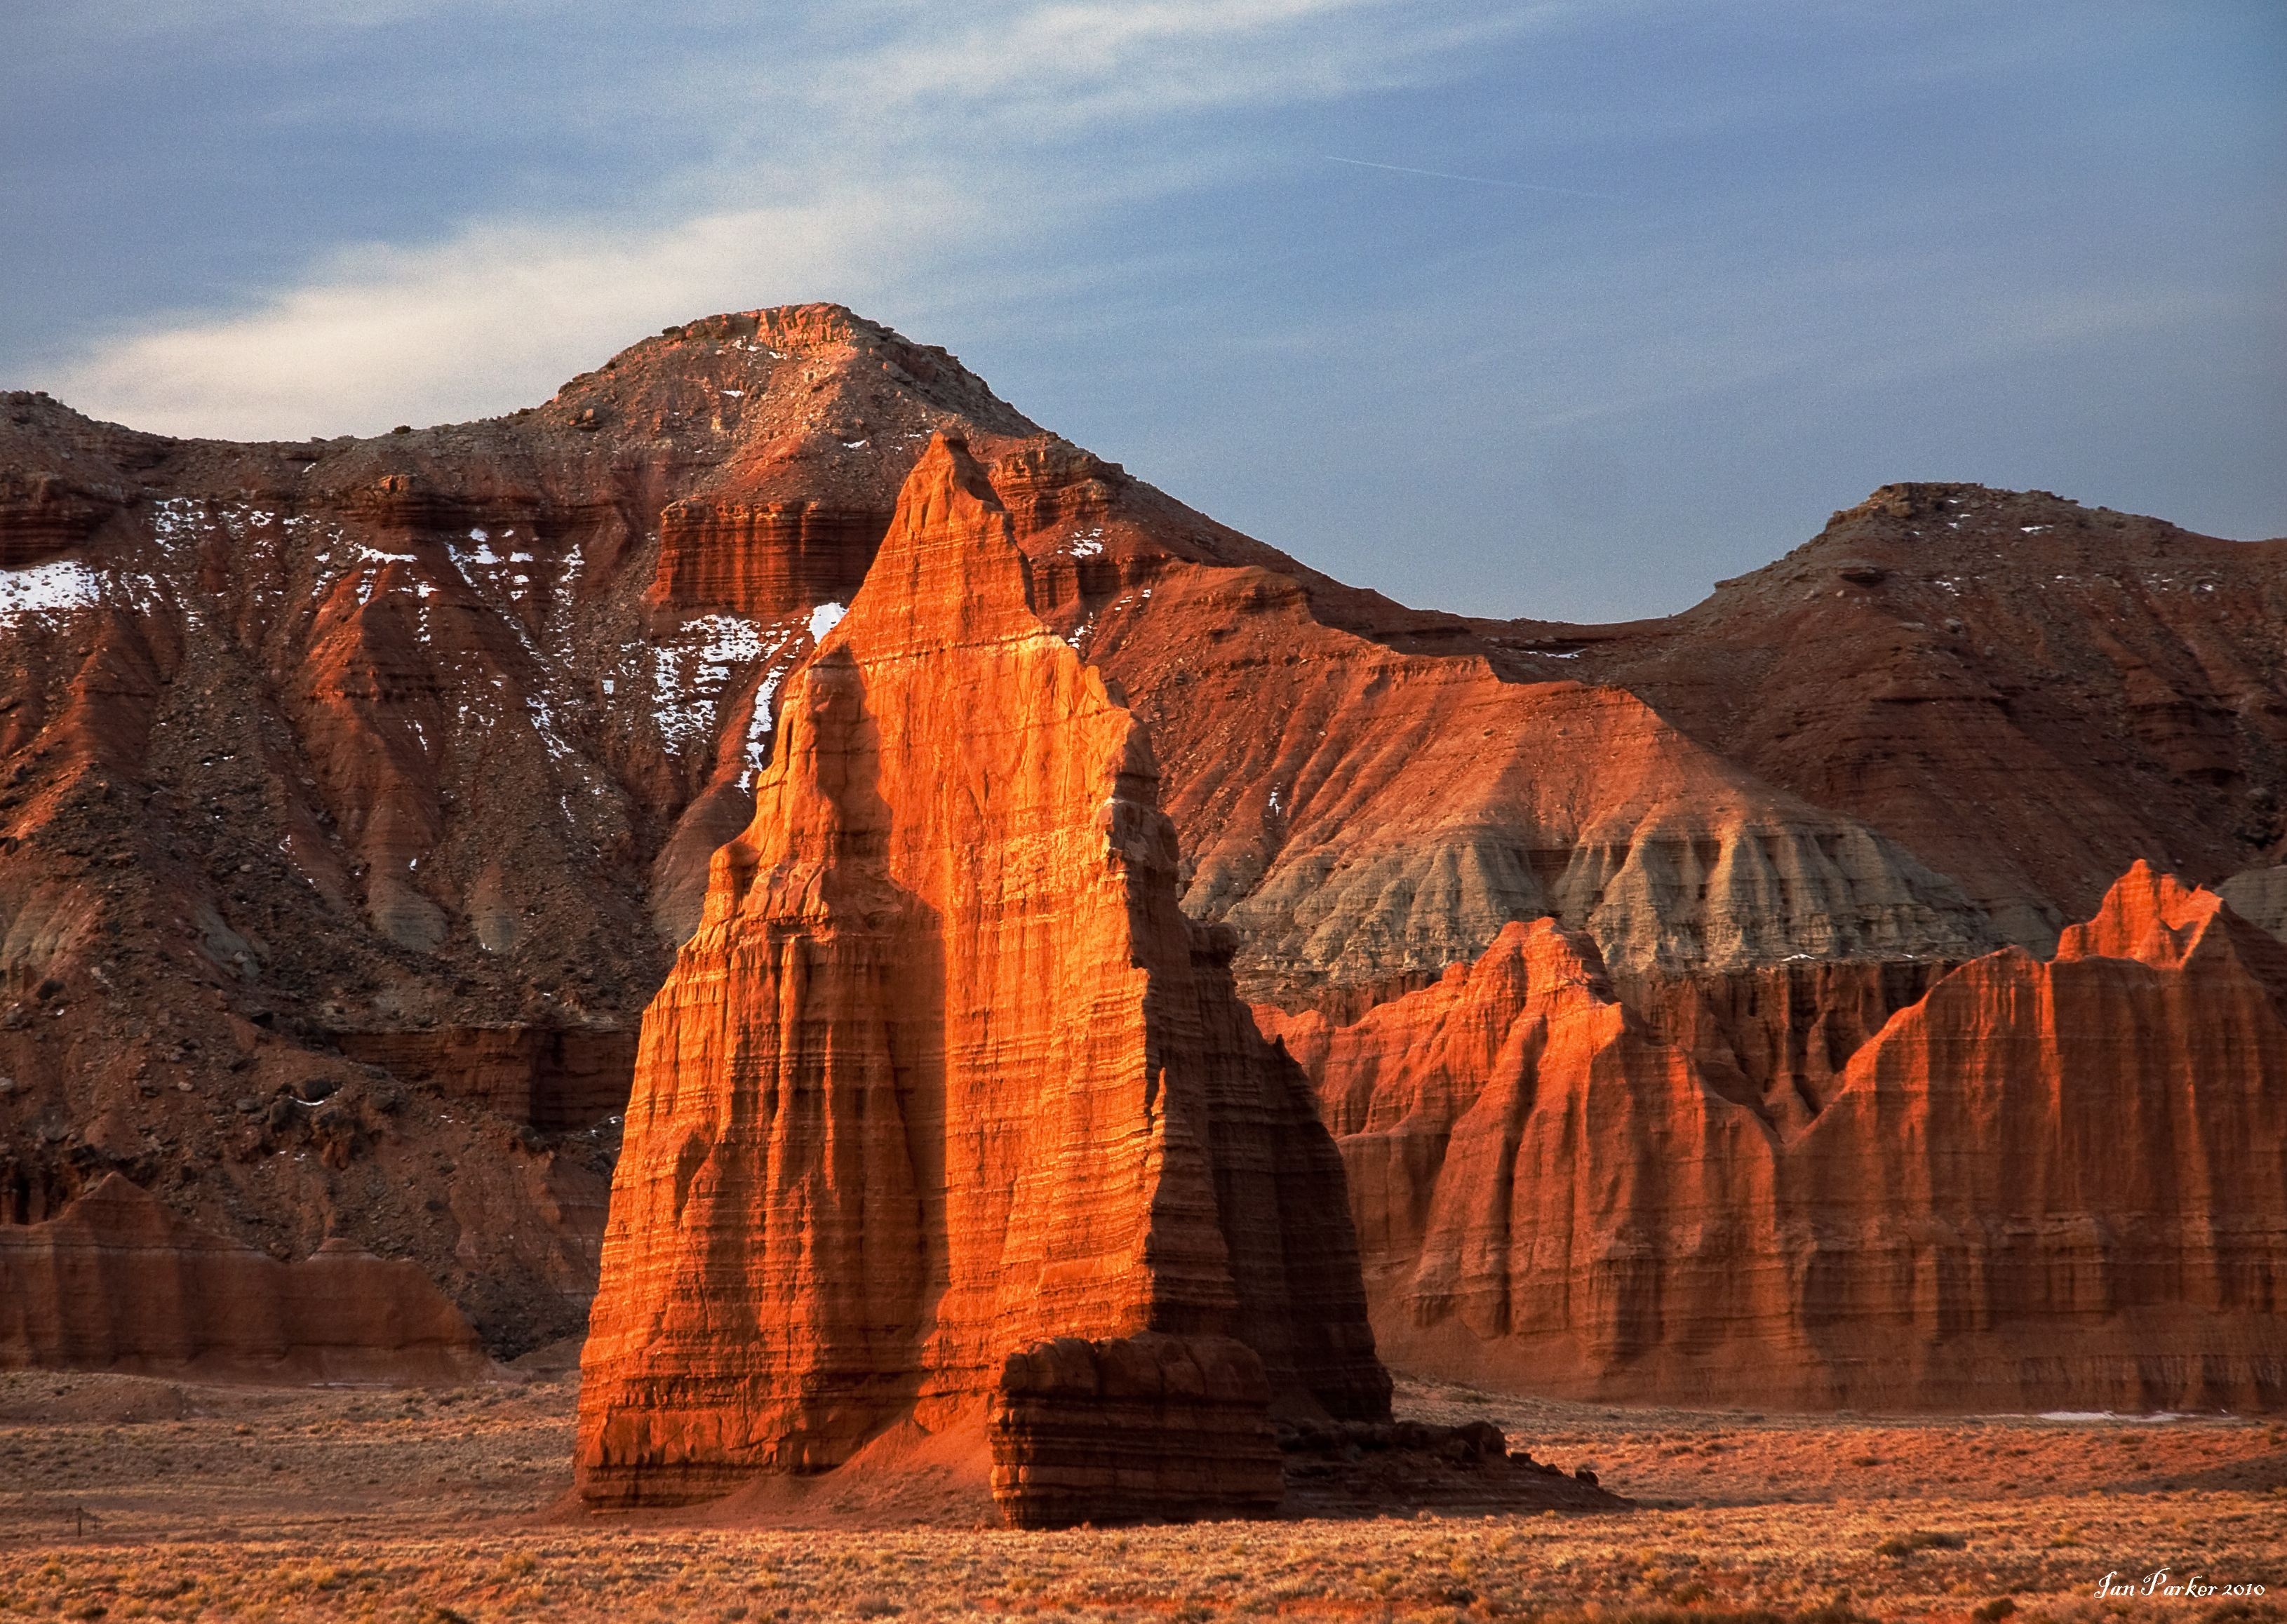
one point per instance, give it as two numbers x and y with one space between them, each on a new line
1687 276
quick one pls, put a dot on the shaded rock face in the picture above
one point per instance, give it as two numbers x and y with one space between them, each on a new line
115 1282
1118 1432
551 1078
944 1073
1777 1037
2044 1184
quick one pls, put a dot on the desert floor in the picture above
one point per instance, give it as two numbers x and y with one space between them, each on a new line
123 1498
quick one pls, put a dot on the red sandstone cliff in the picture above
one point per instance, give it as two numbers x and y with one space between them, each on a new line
385 772
944 1073
2044 1184
115 1282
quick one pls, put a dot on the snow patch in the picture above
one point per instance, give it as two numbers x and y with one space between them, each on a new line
543 722
691 675
824 619
61 585
758 731
482 554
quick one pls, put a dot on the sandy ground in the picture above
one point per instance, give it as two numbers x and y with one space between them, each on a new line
125 1498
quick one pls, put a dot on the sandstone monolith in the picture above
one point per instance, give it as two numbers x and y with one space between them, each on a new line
944 1077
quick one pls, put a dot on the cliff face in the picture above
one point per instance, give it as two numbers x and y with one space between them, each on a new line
944 1073
356 794
115 1282
2043 1184
391 769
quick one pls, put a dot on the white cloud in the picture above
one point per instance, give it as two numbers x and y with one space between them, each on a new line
492 318
1070 64
908 146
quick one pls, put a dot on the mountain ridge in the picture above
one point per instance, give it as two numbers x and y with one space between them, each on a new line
358 792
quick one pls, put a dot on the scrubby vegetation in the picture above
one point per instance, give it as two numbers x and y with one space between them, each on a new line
151 1500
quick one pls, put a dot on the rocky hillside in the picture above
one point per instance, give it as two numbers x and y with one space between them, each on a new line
357 793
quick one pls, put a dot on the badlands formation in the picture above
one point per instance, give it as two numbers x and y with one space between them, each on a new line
1699 1007
2046 1184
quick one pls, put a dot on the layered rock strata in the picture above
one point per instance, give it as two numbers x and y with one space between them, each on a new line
2044 1184
1362 814
1117 1431
944 1073
115 1282
318 757
763 562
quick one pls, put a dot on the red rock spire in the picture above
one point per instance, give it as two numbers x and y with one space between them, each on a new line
944 1073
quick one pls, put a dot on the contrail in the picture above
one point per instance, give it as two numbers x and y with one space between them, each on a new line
1475 180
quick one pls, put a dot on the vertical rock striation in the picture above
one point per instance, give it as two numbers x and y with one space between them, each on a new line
944 1073
768 562
2044 1184
115 1281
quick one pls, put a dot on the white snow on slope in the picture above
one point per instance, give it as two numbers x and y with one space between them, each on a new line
63 584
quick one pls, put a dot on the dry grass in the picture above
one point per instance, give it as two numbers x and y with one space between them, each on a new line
245 1504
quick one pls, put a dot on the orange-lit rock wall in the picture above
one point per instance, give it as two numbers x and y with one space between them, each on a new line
944 1071
2046 1184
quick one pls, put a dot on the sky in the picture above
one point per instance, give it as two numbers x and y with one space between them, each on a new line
1563 308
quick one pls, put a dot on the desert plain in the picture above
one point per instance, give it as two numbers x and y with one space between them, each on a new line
131 1498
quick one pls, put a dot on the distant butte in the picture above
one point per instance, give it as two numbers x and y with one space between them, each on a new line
2043 1185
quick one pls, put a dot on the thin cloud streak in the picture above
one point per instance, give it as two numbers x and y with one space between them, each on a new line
1478 180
